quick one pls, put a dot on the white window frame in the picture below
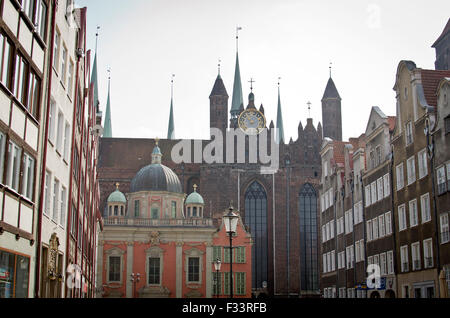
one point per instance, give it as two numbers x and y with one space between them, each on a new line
380 189
402 225
425 207
388 221
381 226
390 262
28 176
413 213
445 229
13 167
428 253
386 185
415 255
422 162
411 170
400 176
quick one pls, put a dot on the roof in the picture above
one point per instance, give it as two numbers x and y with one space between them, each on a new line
331 90
194 198
443 34
156 177
430 82
107 133
171 128
219 88
117 196
238 99
280 126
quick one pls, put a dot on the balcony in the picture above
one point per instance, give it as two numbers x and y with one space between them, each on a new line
141 222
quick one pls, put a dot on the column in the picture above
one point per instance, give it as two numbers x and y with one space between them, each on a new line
208 270
99 271
179 269
129 289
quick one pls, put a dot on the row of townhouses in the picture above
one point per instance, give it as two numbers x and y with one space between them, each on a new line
384 196
49 134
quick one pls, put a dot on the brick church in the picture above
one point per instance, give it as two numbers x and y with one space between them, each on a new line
279 209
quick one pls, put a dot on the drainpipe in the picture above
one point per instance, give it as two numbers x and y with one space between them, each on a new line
44 154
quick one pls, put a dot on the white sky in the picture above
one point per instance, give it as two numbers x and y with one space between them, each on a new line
145 41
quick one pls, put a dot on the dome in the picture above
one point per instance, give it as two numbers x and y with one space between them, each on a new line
117 196
195 198
156 177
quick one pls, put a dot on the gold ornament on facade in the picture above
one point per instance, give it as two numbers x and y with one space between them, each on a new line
53 256
154 238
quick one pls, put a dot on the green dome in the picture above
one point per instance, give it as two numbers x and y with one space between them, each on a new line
117 196
195 198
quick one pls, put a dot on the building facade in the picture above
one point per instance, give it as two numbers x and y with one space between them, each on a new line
157 234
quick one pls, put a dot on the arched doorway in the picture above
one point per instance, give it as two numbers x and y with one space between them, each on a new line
375 294
389 294
256 220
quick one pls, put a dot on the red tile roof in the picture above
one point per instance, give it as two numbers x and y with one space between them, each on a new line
446 30
430 82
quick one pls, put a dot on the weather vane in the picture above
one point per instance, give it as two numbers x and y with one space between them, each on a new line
219 65
331 64
251 81
171 84
309 109
238 28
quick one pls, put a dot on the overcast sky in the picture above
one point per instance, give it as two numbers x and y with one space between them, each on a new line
144 42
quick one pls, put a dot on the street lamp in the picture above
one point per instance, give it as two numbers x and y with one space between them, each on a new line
135 278
217 265
231 220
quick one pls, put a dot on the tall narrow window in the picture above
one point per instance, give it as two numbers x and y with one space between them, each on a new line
59 133
70 80
409 133
386 185
154 271
415 253
422 161
411 169
441 180
428 253
56 51
256 220
62 219
114 269
34 86
425 205
47 193
66 141
400 177
2 154
64 64
21 78
445 232
51 122
5 59
28 176
41 19
13 169
174 209
413 214
55 200
137 208
193 269
402 218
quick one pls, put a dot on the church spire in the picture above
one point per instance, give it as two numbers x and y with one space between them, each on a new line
107 133
171 130
280 127
94 77
237 87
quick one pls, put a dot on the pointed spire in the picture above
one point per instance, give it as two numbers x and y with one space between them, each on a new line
219 87
107 133
280 127
94 77
331 90
171 130
237 99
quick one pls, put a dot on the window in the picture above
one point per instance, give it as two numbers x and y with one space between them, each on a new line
357 252
47 193
51 122
56 51
445 233
390 262
226 283
62 219
383 264
174 209
324 234
20 83
378 158
13 168
413 214
66 141
386 185
70 80
415 253
428 253
411 170
367 191
16 268
217 253
41 18
324 262
425 205
402 218
409 133
373 191
32 104
400 177
114 269
137 208
59 136
348 222
328 262
350 256
193 269
447 124
28 176
333 260
55 200
441 180
362 252
380 188
375 228
388 221
5 61
154 270
155 213
64 64
382 225
240 254
327 229
2 154
240 283
369 231
422 161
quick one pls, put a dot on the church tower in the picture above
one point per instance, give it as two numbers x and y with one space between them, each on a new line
331 112
107 133
442 47
218 105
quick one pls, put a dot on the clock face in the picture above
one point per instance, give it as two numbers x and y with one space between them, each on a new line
252 121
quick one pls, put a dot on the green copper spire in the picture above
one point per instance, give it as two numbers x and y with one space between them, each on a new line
280 128
237 90
107 132
171 130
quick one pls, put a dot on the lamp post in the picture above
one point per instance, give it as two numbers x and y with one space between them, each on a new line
217 265
135 278
231 220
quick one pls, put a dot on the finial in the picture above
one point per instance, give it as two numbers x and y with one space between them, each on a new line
251 81
195 187
331 63
171 85
309 109
219 66
117 185
96 38
279 78
156 141
109 73
238 28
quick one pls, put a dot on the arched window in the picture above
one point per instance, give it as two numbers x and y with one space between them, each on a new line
256 220
309 270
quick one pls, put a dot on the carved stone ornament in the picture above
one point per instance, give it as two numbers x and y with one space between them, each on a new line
154 238
53 256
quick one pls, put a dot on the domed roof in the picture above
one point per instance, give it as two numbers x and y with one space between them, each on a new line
195 197
156 177
117 196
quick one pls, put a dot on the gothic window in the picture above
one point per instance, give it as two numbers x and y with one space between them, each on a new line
256 220
308 238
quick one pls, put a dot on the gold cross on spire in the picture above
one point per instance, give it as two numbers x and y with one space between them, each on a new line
117 185
195 187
